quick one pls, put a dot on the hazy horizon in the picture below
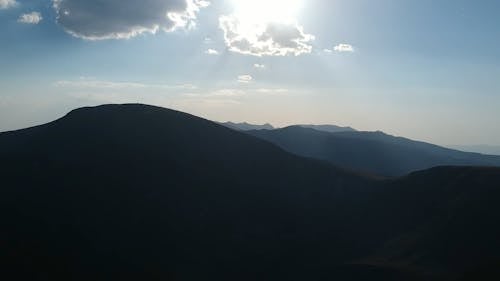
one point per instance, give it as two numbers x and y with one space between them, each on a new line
419 69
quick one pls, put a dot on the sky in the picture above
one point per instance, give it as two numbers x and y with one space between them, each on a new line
428 70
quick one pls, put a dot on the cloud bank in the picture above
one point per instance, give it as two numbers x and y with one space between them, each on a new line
31 18
266 38
6 4
123 19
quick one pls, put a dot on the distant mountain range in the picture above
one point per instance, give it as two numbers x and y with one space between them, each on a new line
329 128
135 192
370 152
250 127
246 126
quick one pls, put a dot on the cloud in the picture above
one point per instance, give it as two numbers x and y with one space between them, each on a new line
238 93
227 93
327 51
202 104
245 79
259 66
344 48
6 4
31 18
275 92
212 52
218 93
265 38
94 91
123 19
91 83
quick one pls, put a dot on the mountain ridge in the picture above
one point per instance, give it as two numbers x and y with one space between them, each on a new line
371 152
244 126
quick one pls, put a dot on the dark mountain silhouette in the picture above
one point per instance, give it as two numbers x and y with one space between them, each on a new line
483 149
371 152
246 126
134 192
329 128
445 218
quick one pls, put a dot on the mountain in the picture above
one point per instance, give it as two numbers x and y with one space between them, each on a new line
329 128
445 222
249 127
370 152
135 192
246 126
484 149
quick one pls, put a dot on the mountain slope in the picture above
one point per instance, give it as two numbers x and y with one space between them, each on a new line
130 190
446 218
134 192
371 152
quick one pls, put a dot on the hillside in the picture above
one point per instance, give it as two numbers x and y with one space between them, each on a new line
116 190
134 192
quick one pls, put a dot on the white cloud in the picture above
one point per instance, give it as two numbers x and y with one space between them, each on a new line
276 92
344 48
227 93
327 51
212 52
6 4
94 91
238 93
217 93
123 19
265 38
31 18
259 66
91 83
202 104
245 79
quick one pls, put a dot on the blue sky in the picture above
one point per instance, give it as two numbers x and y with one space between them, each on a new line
427 70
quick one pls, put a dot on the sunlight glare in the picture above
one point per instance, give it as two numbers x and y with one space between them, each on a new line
265 11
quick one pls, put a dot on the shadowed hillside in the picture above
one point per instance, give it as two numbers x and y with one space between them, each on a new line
142 191
134 192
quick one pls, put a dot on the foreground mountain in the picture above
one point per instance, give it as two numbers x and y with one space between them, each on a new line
246 126
371 152
136 192
133 192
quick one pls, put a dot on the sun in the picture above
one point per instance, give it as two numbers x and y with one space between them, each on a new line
264 11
